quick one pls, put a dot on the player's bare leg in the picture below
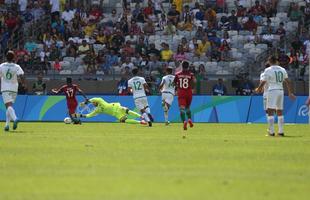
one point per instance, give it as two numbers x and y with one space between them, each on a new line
271 121
280 123
189 117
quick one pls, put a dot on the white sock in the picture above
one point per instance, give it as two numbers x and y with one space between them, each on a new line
8 118
271 124
280 123
148 110
166 112
166 116
12 113
146 117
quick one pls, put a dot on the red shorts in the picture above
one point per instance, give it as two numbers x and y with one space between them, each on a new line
185 101
72 105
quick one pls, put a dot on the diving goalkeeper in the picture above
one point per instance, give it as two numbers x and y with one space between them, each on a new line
113 109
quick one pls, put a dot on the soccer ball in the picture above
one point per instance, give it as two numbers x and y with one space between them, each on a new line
67 120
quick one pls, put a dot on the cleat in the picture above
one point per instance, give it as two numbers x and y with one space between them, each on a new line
281 134
184 136
190 123
151 117
150 124
270 134
167 123
185 126
15 123
6 128
143 122
78 122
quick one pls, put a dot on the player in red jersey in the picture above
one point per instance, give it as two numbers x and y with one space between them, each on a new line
184 83
70 91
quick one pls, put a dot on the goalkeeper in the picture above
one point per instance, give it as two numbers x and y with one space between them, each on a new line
113 109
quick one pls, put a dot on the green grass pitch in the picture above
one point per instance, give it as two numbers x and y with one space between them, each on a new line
109 161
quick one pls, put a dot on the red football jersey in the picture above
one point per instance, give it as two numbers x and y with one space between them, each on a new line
183 82
70 91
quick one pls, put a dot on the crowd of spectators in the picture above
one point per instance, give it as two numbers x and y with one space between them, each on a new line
87 40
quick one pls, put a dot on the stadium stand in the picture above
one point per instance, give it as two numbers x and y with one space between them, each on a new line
104 39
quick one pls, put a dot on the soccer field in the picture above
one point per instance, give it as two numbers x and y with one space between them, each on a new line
96 161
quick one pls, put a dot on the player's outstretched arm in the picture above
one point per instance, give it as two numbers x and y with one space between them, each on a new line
57 91
82 93
289 87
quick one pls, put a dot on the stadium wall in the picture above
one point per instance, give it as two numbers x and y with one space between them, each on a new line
214 109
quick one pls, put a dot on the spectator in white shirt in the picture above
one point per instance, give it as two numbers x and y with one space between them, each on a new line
55 7
68 14
22 5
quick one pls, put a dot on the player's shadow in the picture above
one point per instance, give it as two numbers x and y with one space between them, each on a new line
17 132
293 136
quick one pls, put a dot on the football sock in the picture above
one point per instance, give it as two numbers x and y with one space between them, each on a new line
146 117
271 124
166 112
8 118
189 113
166 116
133 114
182 113
132 121
148 110
280 123
12 113
74 120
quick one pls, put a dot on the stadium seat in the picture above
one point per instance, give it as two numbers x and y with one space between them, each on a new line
65 65
68 59
65 72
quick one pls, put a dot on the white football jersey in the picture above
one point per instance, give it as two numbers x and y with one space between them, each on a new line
9 73
168 81
274 76
136 83
266 86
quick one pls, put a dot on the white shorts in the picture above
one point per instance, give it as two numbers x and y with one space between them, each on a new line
275 99
167 97
9 97
141 103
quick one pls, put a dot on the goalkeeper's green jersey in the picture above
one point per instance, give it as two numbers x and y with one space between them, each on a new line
104 107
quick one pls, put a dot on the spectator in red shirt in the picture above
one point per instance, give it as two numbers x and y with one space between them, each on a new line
11 21
21 52
258 9
241 11
149 9
134 28
250 25
95 13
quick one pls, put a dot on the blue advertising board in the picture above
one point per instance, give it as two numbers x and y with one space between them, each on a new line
215 109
